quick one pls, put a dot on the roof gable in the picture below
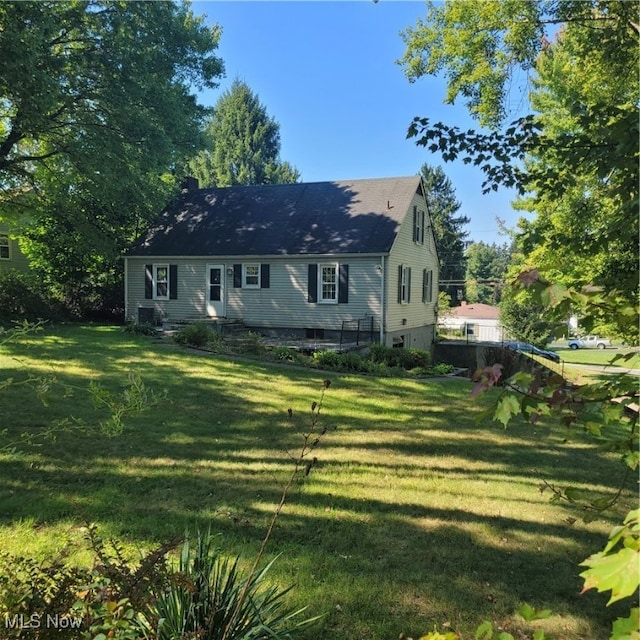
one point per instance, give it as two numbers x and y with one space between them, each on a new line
358 216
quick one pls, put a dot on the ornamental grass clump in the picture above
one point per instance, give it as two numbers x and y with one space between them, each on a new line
211 598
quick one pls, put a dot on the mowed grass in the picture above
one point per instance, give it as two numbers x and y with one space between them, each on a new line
415 515
602 357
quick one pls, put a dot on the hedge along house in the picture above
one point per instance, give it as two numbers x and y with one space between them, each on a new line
298 259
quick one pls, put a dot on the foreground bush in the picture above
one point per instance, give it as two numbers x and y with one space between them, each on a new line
205 596
210 598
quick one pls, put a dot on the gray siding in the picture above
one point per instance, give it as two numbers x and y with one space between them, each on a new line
284 304
190 303
17 260
402 318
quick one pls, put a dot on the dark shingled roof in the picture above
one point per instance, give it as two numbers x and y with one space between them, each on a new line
358 216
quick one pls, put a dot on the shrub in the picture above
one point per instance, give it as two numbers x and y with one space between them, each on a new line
285 354
327 359
198 334
140 329
348 362
441 369
21 297
402 358
249 343
98 602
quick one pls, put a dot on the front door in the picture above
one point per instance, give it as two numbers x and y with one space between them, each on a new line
215 290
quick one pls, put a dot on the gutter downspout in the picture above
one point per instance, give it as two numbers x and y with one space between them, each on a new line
382 300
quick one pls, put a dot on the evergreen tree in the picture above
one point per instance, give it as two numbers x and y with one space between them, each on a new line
243 144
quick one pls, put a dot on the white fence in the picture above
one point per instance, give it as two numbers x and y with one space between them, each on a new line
473 332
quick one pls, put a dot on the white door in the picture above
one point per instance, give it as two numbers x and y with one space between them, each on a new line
215 290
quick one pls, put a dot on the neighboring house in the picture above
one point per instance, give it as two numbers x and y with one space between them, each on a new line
476 321
300 259
10 255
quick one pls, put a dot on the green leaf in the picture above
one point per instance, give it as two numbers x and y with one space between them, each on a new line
530 614
507 407
554 295
484 631
632 459
618 572
627 628
575 495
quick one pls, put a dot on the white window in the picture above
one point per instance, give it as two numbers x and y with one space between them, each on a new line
161 281
427 285
251 276
328 283
418 226
405 285
5 248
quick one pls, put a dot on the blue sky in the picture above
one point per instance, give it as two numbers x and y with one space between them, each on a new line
327 72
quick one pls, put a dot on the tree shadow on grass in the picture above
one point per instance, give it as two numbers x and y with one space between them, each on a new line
217 454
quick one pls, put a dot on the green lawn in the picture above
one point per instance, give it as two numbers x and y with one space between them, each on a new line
604 357
415 515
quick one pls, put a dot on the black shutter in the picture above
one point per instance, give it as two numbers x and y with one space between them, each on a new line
343 284
264 276
408 284
424 285
173 282
399 284
237 276
422 219
415 224
312 283
148 281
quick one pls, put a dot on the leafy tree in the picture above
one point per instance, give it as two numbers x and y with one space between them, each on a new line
487 266
479 46
448 228
606 411
588 232
243 144
96 106
444 304
524 318
577 158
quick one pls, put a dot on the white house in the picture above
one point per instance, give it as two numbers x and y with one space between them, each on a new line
300 258
476 321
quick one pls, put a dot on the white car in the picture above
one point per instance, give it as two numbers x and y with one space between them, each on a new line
589 342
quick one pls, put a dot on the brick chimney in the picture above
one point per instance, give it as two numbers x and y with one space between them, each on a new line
189 183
